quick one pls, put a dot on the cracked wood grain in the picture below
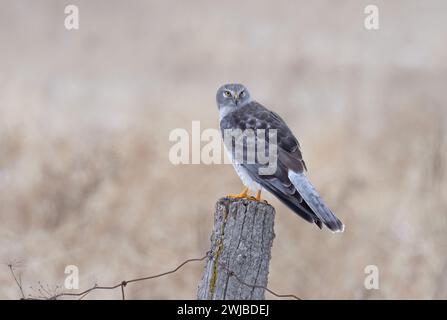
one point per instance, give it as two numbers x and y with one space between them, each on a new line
241 243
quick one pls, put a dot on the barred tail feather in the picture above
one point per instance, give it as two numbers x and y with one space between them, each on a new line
314 201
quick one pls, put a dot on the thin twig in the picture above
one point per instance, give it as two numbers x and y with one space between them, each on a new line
17 280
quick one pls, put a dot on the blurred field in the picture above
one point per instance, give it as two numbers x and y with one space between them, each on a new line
85 117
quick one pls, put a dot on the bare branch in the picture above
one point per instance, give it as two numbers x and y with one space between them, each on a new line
17 279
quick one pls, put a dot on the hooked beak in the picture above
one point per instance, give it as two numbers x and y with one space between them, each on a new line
236 99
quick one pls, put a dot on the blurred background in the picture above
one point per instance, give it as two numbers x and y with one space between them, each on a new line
85 117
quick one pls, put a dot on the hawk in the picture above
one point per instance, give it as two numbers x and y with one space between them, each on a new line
240 115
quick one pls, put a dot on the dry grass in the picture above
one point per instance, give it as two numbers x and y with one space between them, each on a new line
85 117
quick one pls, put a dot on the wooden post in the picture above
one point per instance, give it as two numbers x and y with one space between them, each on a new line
240 252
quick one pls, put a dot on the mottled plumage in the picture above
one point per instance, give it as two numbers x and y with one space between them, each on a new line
289 182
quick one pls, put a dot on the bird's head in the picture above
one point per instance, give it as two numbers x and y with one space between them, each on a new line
232 95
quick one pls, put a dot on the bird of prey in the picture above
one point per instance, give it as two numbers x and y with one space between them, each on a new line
289 183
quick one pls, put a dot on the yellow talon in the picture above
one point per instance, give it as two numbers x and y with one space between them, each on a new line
242 195
258 197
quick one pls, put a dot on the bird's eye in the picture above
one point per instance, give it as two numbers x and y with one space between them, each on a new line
227 93
242 94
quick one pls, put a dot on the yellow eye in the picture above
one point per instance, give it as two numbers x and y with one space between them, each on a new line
227 93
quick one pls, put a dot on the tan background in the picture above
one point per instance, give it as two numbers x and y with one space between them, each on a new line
85 117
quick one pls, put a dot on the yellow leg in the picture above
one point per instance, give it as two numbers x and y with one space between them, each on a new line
242 195
258 195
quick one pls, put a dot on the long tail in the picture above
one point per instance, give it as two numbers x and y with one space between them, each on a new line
314 201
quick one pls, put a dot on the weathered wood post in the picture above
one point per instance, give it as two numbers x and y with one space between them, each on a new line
240 252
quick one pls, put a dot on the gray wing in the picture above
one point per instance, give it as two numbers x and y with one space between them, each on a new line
300 197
